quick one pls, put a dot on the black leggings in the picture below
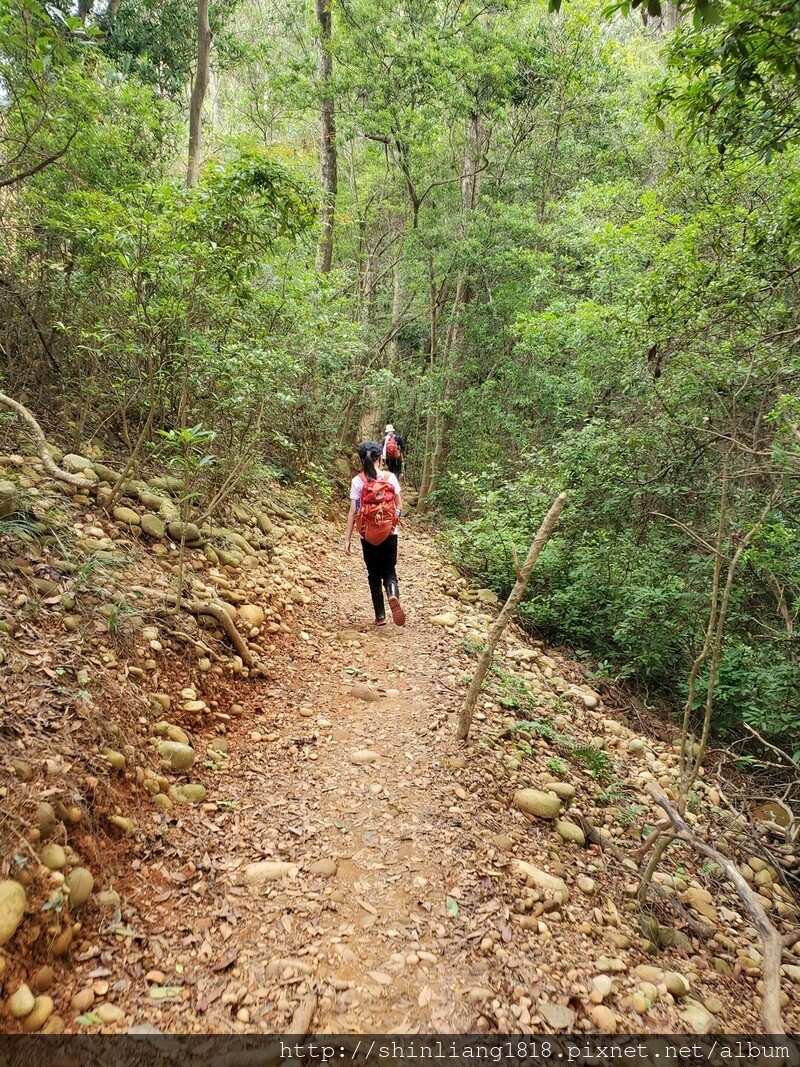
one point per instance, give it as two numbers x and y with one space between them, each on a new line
381 561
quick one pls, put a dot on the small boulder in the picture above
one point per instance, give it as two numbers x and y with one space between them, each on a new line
488 596
53 856
122 822
252 615
268 871
535 802
22 770
363 755
446 619
558 1016
551 883
127 516
649 974
45 818
83 1000
188 531
80 883
697 1018
21 1002
676 984
604 1019
76 464
39 1014
324 868
570 832
152 526
114 758
8 499
43 979
363 692
12 908
109 1013
563 790
107 899
192 793
602 984
177 756
171 732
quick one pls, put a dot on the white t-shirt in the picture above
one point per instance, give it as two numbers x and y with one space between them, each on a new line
357 485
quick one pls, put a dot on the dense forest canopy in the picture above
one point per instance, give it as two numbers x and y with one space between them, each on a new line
559 250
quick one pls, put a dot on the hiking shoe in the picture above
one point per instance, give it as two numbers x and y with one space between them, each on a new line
381 622
398 614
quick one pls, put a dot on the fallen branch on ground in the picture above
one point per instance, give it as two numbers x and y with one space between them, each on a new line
771 940
41 444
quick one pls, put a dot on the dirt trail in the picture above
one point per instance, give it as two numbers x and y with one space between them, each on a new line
384 949
356 870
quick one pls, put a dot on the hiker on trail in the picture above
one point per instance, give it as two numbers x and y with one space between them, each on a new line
375 510
393 450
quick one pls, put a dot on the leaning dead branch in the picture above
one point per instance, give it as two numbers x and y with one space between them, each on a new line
523 575
772 941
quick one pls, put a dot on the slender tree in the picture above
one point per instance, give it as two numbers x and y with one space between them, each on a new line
198 92
327 152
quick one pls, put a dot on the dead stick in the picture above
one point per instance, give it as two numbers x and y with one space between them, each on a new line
523 575
303 1016
770 938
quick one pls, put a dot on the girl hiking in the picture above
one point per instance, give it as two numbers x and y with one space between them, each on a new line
375 508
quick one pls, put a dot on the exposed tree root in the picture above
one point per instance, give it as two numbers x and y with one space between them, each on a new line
772 941
205 607
41 443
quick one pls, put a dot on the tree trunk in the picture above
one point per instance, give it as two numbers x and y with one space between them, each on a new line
436 450
198 92
397 305
425 479
471 172
327 154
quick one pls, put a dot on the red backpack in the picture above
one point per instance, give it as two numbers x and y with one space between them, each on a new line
392 448
377 510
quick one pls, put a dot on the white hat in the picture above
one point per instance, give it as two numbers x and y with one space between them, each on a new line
389 428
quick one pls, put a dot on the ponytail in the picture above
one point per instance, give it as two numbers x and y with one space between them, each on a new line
368 463
368 453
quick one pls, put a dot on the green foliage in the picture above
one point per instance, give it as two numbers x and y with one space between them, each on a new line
597 762
557 766
735 76
44 59
155 40
631 813
542 728
542 287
